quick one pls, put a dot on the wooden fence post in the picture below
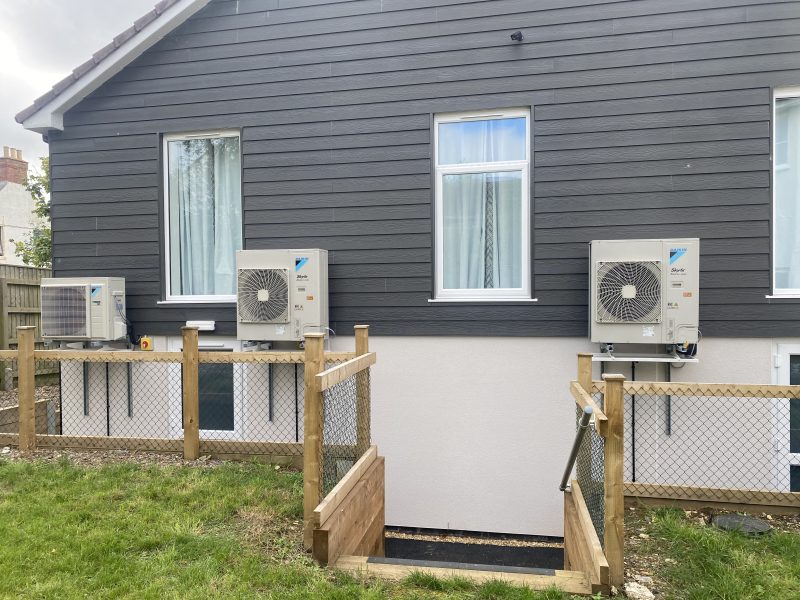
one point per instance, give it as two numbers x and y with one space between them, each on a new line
191 401
26 371
363 400
585 371
614 409
312 432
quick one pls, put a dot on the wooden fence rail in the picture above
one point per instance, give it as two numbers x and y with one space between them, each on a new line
26 424
605 568
609 420
317 380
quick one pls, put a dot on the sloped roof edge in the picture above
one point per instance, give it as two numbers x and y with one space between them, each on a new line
47 112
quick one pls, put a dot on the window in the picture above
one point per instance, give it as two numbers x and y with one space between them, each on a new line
786 193
203 208
482 207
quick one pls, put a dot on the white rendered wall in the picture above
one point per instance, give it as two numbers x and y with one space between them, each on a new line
16 219
476 431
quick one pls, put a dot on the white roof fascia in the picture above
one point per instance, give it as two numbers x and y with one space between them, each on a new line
51 115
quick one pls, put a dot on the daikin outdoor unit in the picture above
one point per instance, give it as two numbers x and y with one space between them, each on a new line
645 291
83 308
281 294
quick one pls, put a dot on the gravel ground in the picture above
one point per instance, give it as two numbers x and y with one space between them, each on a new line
98 458
47 392
468 539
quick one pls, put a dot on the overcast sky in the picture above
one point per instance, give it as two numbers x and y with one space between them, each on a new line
41 41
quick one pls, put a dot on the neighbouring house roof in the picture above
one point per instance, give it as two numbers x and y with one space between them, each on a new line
48 111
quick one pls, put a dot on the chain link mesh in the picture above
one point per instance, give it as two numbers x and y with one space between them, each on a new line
746 448
252 402
345 436
590 473
120 400
249 407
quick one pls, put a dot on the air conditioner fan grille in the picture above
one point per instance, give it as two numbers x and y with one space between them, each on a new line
64 311
263 296
629 292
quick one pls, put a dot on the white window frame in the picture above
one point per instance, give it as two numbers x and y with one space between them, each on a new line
174 137
523 166
790 92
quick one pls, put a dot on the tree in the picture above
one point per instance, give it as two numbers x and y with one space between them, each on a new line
37 249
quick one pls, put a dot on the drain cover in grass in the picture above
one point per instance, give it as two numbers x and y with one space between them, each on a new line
742 523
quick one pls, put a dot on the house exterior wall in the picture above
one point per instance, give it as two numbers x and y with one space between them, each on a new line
650 118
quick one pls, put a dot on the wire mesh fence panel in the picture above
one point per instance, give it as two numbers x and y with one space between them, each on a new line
139 400
252 402
342 445
745 448
590 474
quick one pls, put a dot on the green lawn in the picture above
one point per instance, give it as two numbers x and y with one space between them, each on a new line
128 531
699 562
233 530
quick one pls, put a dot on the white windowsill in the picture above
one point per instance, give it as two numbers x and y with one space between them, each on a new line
779 296
484 300
194 301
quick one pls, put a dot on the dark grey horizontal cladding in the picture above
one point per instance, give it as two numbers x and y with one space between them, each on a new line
732 147
643 137
704 231
357 241
100 195
662 183
124 155
333 215
652 168
506 60
709 246
390 152
669 199
107 223
708 263
105 169
680 118
98 263
441 101
106 249
337 200
492 327
651 119
103 209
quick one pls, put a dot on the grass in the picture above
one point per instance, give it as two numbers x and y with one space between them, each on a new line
124 530
127 531
705 563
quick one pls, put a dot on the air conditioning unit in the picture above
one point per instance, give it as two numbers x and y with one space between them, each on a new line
83 308
645 291
281 295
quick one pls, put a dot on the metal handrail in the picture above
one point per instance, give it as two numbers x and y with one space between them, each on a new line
583 424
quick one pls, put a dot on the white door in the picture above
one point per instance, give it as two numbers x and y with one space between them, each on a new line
788 373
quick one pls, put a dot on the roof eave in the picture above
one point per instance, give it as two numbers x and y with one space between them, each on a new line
50 115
